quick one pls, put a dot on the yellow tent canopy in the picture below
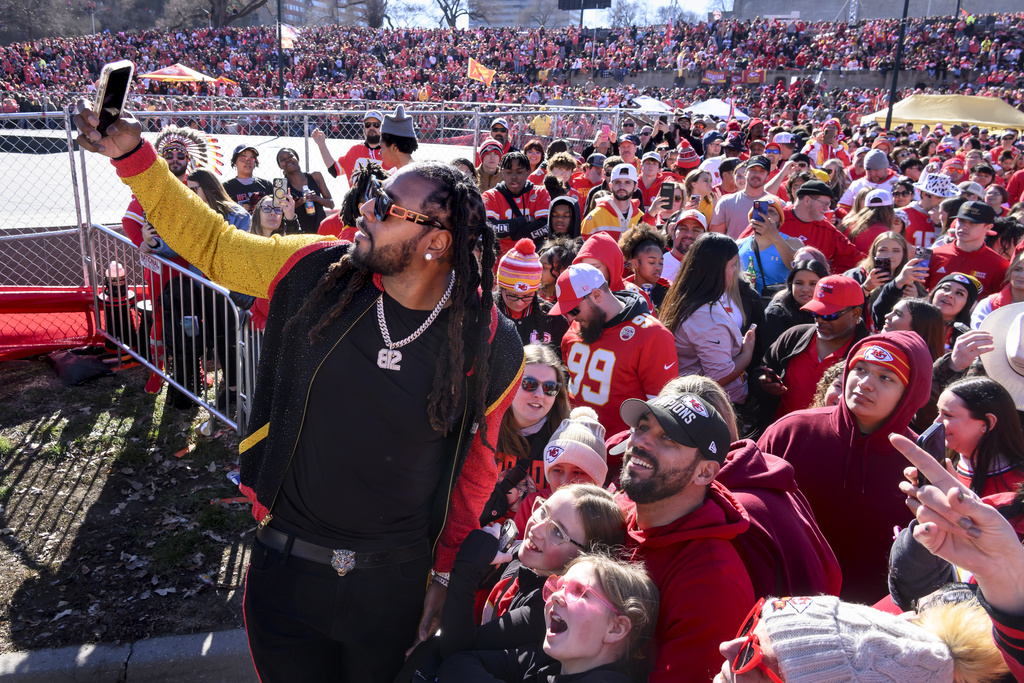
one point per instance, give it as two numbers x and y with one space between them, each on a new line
991 112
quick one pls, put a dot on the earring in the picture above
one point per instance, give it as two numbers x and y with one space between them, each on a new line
427 256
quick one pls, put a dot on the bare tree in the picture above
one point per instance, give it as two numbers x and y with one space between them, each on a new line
543 13
29 20
624 13
452 10
405 13
179 13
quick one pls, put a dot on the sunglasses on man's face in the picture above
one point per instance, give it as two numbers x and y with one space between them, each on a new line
370 124
550 388
384 206
171 156
831 316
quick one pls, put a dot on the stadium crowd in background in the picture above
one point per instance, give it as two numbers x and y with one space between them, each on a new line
727 334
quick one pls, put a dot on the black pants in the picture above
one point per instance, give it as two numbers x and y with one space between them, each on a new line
306 623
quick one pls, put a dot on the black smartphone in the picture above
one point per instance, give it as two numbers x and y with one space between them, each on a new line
509 531
663 119
771 374
668 192
932 440
111 93
961 328
280 192
760 211
883 263
925 255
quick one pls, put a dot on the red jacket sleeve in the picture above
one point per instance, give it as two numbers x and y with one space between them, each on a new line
1015 187
476 482
845 255
658 360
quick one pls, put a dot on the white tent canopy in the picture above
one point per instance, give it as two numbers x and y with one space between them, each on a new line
717 108
649 104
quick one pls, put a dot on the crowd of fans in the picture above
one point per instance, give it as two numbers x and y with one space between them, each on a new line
533 66
737 329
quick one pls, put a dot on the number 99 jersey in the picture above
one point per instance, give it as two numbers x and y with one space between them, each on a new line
634 358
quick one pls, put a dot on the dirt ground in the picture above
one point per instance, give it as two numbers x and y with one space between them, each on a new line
108 531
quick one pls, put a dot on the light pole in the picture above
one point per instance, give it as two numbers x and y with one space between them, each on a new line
280 56
896 66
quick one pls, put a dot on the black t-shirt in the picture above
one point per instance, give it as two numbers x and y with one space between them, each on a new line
247 194
367 462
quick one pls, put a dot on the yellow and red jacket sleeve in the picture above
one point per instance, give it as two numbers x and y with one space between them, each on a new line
234 259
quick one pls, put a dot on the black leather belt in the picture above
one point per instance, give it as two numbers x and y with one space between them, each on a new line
343 561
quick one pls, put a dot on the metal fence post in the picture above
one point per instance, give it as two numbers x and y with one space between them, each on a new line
476 130
305 135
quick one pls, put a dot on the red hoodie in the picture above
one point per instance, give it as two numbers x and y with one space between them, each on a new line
603 247
705 589
784 551
850 479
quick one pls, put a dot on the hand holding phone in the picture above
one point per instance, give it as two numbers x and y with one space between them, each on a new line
111 93
933 440
759 211
668 192
280 192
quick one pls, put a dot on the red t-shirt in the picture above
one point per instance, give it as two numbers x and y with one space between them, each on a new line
803 374
353 159
984 264
533 203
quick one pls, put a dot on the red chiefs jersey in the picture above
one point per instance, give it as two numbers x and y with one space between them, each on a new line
534 203
355 158
920 232
632 359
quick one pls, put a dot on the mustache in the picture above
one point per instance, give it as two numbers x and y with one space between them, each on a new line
646 455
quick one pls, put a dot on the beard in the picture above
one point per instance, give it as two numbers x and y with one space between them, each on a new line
177 168
388 260
372 139
591 329
660 485
622 195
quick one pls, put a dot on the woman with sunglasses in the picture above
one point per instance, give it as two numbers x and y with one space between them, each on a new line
309 190
902 192
539 407
519 278
596 619
269 220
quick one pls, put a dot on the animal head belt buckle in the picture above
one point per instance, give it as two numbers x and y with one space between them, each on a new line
343 561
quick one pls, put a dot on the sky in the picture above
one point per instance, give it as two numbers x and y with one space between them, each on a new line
591 18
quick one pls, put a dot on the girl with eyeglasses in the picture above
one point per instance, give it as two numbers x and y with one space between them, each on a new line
269 220
518 281
596 619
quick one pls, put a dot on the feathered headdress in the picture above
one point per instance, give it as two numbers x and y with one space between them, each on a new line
201 149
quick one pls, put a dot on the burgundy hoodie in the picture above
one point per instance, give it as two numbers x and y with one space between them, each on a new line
784 551
705 589
851 479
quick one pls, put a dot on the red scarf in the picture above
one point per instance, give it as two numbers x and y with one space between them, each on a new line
1002 298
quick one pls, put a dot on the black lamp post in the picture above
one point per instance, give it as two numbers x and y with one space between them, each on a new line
896 66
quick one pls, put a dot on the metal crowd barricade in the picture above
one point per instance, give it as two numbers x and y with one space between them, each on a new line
186 329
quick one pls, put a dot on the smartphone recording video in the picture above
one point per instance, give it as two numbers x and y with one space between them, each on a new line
112 92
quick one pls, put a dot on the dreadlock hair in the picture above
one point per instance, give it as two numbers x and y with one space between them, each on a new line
356 196
457 204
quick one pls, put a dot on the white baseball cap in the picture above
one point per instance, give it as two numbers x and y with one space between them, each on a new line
623 171
574 284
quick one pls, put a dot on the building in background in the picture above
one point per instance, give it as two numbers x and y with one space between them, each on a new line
814 10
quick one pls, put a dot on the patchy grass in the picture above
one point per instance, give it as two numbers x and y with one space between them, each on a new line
105 519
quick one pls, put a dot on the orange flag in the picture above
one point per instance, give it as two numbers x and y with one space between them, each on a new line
479 72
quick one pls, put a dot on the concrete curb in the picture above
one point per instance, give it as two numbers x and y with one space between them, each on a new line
221 656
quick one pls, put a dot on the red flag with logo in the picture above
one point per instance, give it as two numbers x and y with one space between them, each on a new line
479 72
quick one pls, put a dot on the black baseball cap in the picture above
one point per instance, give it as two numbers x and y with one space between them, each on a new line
800 156
687 419
760 161
976 212
815 187
596 160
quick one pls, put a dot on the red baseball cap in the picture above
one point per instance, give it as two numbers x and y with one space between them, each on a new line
834 293
573 285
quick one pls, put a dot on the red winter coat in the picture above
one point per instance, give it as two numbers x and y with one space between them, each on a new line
784 551
705 589
850 479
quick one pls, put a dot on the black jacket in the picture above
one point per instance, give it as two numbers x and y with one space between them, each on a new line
537 327
288 365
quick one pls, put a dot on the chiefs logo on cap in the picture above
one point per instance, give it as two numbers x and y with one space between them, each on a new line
521 287
878 355
552 452
696 406
823 290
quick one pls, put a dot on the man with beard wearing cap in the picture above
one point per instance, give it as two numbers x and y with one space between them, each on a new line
805 220
621 211
614 348
690 225
680 523
357 155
